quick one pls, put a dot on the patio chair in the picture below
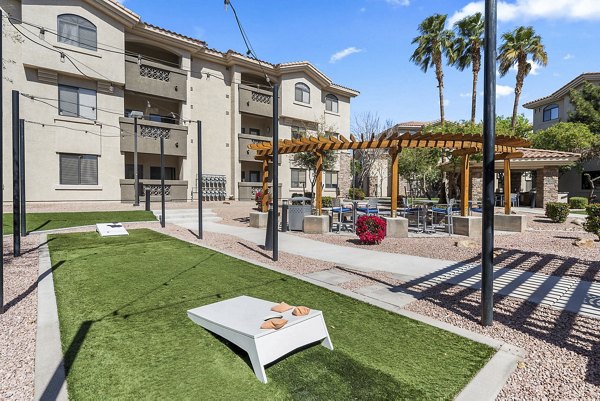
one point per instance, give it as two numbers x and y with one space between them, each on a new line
442 215
344 215
370 208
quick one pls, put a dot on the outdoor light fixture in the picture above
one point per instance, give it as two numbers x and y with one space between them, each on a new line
148 105
62 57
42 33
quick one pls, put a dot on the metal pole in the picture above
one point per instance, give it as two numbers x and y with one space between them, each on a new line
284 216
16 189
147 200
200 192
22 171
1 178
136 201
162 182
275 171
489 131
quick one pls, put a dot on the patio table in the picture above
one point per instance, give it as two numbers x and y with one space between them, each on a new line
238 320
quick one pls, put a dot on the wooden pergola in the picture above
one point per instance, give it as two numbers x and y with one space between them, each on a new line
464 146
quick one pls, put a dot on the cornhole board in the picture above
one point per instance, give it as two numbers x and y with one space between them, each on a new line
238 320
111 229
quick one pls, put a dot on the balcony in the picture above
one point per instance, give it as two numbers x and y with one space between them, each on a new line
175 190
149 134
247 190
150 77
255 101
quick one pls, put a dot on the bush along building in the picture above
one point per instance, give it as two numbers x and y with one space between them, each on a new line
86 68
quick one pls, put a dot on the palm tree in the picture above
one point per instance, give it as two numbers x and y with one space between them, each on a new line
466 51
433 42
516 47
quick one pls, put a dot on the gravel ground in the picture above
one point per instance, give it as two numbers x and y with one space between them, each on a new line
563 349
18 322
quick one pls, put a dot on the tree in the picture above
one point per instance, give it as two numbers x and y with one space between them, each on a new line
516 47
419 167
364 126
521 129
308 160
433 42
466 51
566 137
586 103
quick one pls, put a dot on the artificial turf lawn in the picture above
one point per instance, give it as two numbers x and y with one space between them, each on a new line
122 305
52 221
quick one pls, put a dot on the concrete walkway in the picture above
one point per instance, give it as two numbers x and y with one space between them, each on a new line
419 273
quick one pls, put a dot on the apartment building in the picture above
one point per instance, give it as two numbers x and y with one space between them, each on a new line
85 68
555 108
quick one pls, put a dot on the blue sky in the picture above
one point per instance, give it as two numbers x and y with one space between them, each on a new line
378 34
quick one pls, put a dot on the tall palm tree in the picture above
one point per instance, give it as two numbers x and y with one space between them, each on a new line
466 51
515 48
434 41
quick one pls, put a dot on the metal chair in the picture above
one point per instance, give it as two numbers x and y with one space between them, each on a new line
344 214
372 207
442 215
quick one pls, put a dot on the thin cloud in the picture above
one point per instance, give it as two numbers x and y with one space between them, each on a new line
363 9
504 90
397 3
535 9
568 56
464 95
534 68
344 53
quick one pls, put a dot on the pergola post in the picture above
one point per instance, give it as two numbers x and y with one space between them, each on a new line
507 200
265 186
394 203
319 184
464 191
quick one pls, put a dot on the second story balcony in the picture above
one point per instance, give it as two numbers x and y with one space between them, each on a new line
149 134
255 101
148 76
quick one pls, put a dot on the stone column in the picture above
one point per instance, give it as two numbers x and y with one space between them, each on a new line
547 186
476 185
345 173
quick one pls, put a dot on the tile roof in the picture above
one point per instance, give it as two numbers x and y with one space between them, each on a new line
158 28
530 153
563 89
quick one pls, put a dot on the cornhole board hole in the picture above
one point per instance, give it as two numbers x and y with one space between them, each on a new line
238 320
111 229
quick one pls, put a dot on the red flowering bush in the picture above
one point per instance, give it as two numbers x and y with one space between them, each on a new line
370 229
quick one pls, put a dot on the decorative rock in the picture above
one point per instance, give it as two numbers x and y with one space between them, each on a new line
584 243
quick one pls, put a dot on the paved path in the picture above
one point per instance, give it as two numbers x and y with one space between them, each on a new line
419 273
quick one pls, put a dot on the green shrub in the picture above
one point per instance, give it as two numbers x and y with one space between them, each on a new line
327 201
557 212
578 202
356 193
592 221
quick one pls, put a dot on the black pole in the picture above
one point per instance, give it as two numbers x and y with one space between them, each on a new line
284 216
147 200
275 172
22 171
136 199
16 187
1 178
489 132
200 192
162 182
269 233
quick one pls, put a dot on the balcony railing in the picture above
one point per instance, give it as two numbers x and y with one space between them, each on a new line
255 101
149 134
153 78
175 190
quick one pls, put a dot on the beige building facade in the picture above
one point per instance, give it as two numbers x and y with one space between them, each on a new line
85 68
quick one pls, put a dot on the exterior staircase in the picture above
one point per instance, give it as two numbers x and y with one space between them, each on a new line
187 218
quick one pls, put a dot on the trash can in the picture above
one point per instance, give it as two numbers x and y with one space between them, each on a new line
299 207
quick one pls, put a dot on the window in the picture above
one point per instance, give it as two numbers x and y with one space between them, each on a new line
331 103
78 169
302 93
331 179
77 31
298 132
170 173
551 112
76 102
298 178
585 183
254 176
129 172
254 131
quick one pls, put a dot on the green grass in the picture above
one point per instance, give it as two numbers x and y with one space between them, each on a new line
125 334
51 221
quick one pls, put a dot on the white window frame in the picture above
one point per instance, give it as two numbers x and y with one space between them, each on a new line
87 111
79 25
329 177
301 178
331 101
302 93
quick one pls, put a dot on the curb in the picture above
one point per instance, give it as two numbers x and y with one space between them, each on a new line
49 378
485 385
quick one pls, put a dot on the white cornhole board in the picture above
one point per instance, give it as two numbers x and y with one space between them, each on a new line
111 229
238 320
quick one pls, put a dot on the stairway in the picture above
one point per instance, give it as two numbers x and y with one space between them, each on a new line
187 218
